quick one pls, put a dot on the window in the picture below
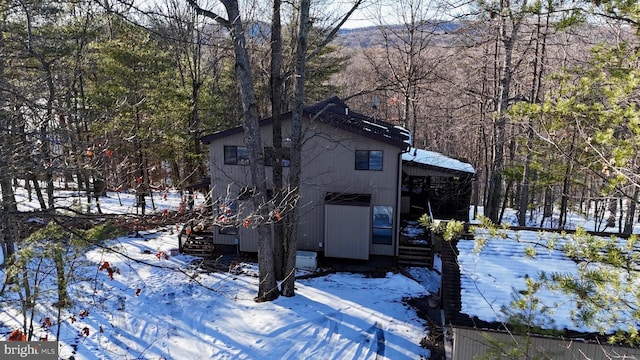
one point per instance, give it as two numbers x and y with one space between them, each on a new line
226 219
368 159
269 156
382 225
236 155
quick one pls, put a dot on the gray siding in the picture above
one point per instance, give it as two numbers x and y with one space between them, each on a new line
248 236
342 238
472 343
328 158
227 182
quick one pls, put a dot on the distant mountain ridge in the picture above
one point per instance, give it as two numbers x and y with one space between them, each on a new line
371 36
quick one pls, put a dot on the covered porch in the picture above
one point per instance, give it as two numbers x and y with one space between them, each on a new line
436 185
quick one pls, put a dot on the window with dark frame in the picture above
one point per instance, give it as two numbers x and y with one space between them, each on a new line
269 156
369 160
236 155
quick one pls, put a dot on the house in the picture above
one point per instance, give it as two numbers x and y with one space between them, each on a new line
352 173
478 288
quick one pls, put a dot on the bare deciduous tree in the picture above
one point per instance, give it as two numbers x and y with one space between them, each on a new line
268 287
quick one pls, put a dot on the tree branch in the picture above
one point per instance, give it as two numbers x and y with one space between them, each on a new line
209 14
332 34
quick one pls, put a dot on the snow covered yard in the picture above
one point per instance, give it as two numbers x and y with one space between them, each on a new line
158 307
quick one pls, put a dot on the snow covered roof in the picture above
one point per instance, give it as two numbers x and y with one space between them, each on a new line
435 159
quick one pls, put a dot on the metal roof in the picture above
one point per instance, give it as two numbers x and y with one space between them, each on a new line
335 112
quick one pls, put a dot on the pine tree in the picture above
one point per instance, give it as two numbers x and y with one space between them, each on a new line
136 102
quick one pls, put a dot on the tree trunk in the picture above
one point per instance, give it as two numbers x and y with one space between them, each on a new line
9 212
196 84
288 283
524 186
613 209
504 201
620 204
598 213
197 164
268 287
63 296
28 299
175 172
89 196
44 133
86 181
147 179
38 190
276 111
99 190
47 156
495 191
141 178
547 207
631 211
9 206
564 198
533 196
536 85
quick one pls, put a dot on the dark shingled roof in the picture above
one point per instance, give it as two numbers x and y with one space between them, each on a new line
335 112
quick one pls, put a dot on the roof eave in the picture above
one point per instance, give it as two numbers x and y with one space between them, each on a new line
330 112
438 168
208 139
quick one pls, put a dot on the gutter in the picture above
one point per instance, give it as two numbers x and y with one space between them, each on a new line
398 205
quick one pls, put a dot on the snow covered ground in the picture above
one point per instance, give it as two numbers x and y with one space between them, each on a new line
114 203
158 307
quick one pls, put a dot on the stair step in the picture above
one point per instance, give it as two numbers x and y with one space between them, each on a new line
418 255
414 248
414 255
197 252
414 252
198 246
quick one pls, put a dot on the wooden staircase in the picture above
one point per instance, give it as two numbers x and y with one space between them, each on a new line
197 241
415 255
